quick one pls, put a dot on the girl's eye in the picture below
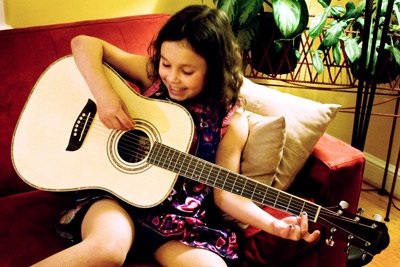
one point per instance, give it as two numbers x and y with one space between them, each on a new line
188 72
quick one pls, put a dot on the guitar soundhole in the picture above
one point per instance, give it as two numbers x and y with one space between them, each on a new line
134 146
128 151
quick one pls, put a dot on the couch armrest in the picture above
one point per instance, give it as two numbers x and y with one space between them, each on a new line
333 173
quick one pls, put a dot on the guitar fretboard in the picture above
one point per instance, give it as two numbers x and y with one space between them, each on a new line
213 175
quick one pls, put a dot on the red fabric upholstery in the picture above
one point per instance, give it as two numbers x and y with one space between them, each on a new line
332 173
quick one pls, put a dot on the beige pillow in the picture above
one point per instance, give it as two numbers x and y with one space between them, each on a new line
306 121
264 148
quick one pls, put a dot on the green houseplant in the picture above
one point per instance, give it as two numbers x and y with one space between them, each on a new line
277 35
291 18
347 27
331 26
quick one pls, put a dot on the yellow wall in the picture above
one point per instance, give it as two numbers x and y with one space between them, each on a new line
22 13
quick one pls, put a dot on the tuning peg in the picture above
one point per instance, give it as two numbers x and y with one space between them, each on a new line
344 204
360 211
347 248
330 241
377 217
364 255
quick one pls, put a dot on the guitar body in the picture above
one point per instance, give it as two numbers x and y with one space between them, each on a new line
50 151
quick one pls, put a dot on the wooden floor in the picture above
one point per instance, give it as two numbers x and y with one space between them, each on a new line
373 203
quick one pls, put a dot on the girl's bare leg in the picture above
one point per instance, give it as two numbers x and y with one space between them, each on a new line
176 254
107 236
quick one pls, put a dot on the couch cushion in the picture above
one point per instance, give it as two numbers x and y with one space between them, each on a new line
306 122
264 147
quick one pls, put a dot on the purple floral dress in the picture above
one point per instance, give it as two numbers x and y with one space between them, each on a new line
189 213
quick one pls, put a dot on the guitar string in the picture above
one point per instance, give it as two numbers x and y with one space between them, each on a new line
347 231
232 181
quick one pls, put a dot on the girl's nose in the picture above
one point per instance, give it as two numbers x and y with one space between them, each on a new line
173 76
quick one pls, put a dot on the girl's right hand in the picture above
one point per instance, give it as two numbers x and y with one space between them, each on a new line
114 113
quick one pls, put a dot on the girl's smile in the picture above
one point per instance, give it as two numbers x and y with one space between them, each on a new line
182 70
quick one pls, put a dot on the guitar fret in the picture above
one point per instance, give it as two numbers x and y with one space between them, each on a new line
176 159
263 200
215 179
276 199
209 173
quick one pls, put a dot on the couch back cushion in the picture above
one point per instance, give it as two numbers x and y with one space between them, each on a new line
26 53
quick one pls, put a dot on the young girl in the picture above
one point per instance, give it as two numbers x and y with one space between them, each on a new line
195 62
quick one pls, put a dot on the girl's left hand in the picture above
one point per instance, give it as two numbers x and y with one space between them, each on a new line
295 228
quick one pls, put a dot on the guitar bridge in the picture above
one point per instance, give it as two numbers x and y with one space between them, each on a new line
81 126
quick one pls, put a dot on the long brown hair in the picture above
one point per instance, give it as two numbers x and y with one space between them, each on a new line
209 33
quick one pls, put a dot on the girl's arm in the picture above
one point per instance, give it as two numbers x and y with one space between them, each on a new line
89 53
228 155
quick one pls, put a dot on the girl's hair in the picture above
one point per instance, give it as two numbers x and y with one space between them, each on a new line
209 33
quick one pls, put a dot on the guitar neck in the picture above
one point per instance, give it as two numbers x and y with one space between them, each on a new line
213 175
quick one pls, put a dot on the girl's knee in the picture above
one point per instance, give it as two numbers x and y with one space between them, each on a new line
106 253
177 254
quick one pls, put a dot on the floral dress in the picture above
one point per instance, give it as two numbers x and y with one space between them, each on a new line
189 213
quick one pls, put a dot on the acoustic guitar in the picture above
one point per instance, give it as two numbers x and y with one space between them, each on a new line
59 144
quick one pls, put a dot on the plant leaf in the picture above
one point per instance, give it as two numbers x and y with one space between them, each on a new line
287 14
353 51
336 11
396 10
298 55
360 9
247 35
317 61
332 35
395 51
248 11
304 17
230 7
350 11
336 53
325 3
318 24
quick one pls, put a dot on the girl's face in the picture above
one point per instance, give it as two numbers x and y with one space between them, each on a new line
182 70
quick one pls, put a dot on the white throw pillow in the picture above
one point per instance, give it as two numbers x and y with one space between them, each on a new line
264 147
306 122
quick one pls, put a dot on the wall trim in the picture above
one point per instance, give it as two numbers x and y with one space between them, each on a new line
3 25
374 171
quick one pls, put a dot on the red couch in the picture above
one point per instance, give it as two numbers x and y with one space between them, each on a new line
332 173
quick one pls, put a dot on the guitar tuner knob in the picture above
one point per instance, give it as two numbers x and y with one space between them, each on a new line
344 205
364 255
330 241
360 211
377 217
347 248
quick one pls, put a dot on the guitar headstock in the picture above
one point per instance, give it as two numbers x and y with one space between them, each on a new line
368 235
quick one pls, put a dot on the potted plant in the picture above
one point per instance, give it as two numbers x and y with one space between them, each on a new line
347 28
253 28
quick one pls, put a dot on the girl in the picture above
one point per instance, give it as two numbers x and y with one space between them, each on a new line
194 61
